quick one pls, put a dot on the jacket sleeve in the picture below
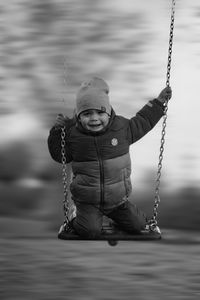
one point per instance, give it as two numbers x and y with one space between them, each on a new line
145 120
54 143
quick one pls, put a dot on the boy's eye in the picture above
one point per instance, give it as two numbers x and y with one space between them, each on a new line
90 113
85 114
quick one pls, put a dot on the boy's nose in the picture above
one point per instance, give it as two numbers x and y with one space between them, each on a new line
94 116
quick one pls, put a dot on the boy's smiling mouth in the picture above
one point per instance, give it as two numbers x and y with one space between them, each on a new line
95 126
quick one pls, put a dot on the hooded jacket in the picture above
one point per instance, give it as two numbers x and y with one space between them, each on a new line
101 161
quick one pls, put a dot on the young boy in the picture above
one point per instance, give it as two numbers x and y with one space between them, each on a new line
97 144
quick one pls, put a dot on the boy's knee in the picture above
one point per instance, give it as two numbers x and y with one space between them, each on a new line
89 231
93 233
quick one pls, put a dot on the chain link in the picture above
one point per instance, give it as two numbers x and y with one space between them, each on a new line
153 220
64 175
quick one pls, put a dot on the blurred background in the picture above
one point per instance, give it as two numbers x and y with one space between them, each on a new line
47 48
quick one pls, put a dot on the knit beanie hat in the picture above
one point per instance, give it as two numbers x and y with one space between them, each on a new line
93 94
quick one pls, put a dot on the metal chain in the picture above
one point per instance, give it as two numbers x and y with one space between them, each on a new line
153 221
170 42
64 175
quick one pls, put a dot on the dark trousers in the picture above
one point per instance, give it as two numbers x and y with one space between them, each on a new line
89 219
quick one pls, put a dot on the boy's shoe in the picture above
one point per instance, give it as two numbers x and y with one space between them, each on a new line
66 228
72 213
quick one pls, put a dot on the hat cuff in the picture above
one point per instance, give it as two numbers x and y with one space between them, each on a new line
88 102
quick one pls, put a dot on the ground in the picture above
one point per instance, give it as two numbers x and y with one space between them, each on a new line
47 268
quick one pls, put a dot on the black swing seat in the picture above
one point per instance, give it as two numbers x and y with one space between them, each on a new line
108 234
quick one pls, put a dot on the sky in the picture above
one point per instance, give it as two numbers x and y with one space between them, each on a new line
181 163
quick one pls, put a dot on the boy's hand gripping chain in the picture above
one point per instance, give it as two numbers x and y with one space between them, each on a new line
153 221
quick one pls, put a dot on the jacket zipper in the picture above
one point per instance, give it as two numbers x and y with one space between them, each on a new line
101 173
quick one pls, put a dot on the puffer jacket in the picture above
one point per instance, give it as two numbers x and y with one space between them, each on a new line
101 162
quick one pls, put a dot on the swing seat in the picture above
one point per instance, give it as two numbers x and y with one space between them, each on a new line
110 235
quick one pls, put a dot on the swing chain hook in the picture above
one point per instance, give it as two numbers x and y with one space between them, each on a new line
64 176
153 221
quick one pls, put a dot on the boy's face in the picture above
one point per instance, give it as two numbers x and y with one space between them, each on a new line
94 120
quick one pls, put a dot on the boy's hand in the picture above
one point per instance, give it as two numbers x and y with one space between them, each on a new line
60 120
165 94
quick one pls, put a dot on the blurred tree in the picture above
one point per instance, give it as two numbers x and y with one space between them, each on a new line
182 209
15 161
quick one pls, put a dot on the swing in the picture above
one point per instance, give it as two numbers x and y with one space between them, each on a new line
109 232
